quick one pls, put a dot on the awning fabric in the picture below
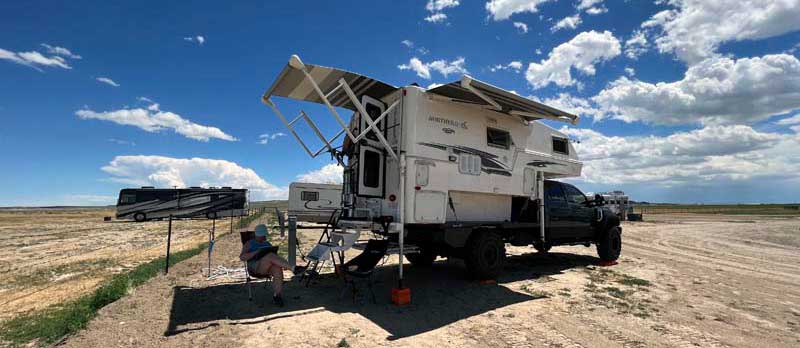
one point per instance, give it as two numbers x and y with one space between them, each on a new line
508 102
292 83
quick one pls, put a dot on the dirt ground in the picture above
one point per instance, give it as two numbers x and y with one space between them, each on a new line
683 281
48 256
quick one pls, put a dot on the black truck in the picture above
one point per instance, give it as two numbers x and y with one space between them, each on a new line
570 219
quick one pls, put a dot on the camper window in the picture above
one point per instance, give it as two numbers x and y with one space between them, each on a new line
372 168
374 112
307 196
498 138
560 146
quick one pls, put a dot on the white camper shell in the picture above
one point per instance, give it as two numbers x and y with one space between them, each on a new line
311 202
462 154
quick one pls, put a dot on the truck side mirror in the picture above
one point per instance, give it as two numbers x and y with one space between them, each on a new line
598 199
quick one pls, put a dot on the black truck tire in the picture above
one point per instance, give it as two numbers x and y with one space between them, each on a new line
424 258
610 244
139 217
485 254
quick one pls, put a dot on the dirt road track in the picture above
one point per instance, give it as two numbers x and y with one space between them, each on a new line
706 281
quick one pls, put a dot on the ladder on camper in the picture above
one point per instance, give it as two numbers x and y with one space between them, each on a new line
342 84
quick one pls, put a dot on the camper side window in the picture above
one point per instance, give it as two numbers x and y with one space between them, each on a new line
498 138
560 146
309 196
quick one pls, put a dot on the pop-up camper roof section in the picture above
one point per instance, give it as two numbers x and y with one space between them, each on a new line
292 83
470 90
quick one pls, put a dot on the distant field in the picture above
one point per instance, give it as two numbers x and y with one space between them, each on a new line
727 209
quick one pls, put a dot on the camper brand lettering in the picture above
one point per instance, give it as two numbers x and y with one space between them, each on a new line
448 122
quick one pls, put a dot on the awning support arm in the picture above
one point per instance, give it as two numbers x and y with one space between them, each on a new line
466 82
367 118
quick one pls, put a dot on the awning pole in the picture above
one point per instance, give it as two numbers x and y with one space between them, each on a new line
169 239
402 214
211 242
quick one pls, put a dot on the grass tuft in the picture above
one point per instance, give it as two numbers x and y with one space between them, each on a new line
51 324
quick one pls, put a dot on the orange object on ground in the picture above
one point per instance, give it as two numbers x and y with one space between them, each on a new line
487 282
401 297
607 263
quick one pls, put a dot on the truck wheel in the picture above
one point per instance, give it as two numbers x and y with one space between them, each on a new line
139 217
542 248
610 244
485 255
424 258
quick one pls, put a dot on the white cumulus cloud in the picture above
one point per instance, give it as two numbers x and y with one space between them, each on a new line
60 51
694 29
264 139
522 27
161 171
716 90
442 66
436 18
34 59
636 45
107 81
153 119
570 22
503 9
435 7
199 39
514 65
582 53
329 174
708 154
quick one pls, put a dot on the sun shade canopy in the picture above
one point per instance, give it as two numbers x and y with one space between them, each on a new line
470 90
292 83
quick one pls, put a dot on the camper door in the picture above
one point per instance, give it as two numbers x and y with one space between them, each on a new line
371 168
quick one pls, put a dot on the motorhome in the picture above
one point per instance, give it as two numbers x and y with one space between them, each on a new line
148 203
454 170
312 202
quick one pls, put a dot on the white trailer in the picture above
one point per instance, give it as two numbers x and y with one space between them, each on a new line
311 202
617 201
435 164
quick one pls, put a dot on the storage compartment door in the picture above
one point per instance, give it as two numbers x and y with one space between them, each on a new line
371 168
429 206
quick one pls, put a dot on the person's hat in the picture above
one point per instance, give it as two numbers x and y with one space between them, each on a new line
261 230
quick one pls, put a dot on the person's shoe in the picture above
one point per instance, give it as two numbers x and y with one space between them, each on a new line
299 270
277 300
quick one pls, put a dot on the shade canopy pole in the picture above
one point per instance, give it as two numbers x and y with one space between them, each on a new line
169 239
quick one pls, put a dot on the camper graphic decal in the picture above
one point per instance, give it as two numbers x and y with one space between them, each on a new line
489 162
543 164
448 122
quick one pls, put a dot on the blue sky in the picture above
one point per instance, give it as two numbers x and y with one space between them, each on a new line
681 101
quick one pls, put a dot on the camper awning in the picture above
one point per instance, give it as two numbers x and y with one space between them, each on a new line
292 83
473 91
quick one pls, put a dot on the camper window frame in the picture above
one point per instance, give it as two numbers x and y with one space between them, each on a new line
488 138
315 194
566 145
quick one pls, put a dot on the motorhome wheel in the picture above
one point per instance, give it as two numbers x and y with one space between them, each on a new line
485 255
139 217
610 245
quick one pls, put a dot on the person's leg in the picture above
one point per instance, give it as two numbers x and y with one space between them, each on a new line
277 260
277 281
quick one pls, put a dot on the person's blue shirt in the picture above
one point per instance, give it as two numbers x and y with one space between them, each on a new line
255 245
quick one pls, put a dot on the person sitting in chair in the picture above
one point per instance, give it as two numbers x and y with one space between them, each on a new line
267 265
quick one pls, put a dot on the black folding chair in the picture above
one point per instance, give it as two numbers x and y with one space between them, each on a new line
246 236
363 265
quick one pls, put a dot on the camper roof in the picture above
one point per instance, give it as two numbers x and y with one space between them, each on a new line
473 91
292 83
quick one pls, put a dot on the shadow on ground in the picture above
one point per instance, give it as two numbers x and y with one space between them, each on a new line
441 295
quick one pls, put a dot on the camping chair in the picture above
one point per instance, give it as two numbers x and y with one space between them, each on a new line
363 265
246 236
339 242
